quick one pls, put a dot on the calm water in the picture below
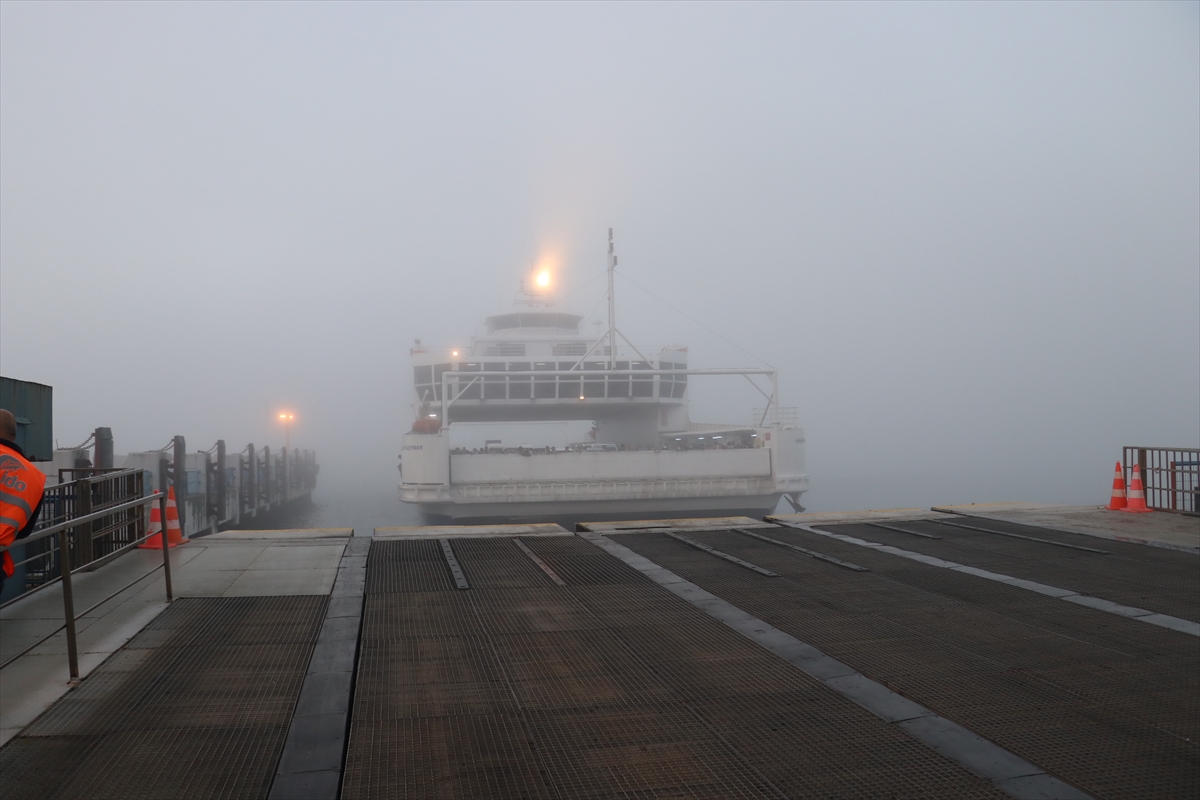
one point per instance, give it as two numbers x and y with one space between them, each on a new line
346 508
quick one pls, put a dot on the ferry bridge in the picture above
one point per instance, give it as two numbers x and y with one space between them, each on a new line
1001 651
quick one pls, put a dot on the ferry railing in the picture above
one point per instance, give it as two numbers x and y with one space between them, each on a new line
62 531
1170 476
465 380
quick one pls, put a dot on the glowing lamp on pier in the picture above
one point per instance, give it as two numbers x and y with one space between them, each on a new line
286 417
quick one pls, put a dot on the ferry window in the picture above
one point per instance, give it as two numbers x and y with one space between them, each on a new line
569 348
505 349
520 388
543 387
594 386
423 375
493 387
643 387
438 369
470 391
568 387
518 366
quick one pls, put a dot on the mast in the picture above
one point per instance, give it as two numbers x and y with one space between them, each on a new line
612 308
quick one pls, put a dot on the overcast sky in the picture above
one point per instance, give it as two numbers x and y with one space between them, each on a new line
968 235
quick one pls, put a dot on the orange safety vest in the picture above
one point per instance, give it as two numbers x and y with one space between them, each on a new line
21 486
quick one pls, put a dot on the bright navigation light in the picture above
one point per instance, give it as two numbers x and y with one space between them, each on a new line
543 278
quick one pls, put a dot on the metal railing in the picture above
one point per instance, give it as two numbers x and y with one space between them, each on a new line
1170 476
89 542
63 530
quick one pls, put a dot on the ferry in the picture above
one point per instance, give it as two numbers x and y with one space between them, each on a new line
643 458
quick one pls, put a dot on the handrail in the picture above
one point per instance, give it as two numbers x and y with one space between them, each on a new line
64 550
73 522
102 476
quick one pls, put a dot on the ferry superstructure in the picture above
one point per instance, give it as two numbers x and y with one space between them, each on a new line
644 457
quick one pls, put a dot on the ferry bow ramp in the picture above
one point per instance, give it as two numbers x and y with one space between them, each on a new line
883 654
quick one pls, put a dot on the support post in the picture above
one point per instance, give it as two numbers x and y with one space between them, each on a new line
180 479
64 562
83 507
166 546
222 479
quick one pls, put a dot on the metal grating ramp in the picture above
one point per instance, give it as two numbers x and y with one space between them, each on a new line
1034 675
196 706
1160 580
608 686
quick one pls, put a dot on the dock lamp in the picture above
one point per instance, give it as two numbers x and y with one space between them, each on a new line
286 418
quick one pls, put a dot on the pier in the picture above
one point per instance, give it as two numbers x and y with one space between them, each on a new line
956 652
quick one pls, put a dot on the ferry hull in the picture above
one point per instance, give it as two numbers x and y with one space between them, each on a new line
756 506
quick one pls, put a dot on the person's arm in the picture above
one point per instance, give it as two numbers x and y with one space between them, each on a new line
28 529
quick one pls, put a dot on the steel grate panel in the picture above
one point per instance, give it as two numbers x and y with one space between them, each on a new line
476 756
579 567
806 746
407 566
647 750
492 565
195 707
1088 718
404 615
1019 605
1145 577
530 610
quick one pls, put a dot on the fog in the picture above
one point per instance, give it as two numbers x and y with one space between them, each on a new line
967 235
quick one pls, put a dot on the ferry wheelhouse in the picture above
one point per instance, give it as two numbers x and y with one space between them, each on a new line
644 457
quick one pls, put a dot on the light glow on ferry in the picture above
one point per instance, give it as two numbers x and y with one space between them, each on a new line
543 279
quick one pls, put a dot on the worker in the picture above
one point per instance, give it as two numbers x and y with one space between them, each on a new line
21 487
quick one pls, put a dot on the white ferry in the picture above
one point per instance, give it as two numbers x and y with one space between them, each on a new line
644 457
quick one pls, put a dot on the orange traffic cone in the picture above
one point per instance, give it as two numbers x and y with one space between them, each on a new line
1137 496
1118 494
174 532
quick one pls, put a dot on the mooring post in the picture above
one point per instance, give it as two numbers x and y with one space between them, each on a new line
267 475
287 473
102 457
64 563
180 477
